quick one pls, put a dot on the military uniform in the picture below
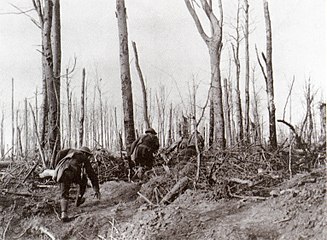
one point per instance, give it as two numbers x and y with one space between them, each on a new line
143 148
73 166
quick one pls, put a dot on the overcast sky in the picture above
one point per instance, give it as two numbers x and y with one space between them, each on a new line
171 50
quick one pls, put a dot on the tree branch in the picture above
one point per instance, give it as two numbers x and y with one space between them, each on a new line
197 21
25 13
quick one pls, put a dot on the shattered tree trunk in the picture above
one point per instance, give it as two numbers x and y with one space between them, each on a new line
139 72
170 126
270 79
2 143
54 113
49 75
236 56
19 148
12 121
214 44
307 125
227 114
49 17
322 108
27 138
44 106
268 76
69 110
125 75
81 120
256 126
247 75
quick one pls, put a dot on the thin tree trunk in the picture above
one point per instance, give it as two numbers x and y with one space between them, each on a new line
36 119
101 135
38 139
139 72
170 127
268 76
227 114
56 54
125 75
247 74
69 110
238 105
19 148
2 144
81 121
256 125
50 80
26 130
322 108
12 121
270 79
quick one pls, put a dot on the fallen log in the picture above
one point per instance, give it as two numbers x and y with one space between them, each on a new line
179 187
5 191
30 172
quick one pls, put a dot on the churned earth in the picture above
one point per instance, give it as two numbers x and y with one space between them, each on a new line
295 209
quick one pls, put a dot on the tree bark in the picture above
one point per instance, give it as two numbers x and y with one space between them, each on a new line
81 121
69 110
12 121
56 54
2 144
256 126
322 108
247 74
26 129
145 103
125 75
50 79
227 114
236 55
270 79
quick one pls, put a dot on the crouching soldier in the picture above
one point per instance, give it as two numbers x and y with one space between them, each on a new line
73 166
143 148
194 140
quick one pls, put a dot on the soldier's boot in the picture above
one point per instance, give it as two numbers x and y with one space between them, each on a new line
79 200
64 208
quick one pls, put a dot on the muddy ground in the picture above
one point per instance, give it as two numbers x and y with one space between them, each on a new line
295 209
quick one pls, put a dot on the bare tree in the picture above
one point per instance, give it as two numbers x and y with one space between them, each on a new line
81 120
322 108
227 114
56 54
268 75
214 44
247 74
125 75
145 103
2 140
236 56
255 126
49 22
12 120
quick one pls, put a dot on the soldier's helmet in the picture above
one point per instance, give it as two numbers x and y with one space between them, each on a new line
151 130
86 150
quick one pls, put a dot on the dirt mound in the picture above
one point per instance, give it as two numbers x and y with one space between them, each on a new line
295 209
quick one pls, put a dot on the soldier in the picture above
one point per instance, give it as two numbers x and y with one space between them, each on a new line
73 166
200 141
143 148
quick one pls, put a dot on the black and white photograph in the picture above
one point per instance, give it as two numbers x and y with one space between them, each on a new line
163 119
